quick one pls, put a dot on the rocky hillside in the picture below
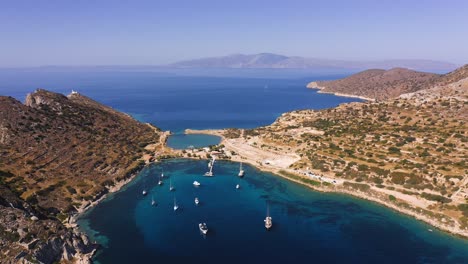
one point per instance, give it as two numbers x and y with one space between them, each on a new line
57 154
379 84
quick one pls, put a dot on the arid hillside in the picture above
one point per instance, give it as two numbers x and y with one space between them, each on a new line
58 153
379 84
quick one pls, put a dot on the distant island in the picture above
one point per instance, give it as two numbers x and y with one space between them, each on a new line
405 151
275 61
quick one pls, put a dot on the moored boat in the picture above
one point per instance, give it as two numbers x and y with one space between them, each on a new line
203 228
241 171
268 220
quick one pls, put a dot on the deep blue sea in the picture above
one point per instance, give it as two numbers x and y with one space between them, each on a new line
308 226
175 103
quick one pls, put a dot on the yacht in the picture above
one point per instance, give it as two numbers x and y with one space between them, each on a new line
203 228
195 183
153 202
268 220
238 186
162 173
197 201
144 192
241 171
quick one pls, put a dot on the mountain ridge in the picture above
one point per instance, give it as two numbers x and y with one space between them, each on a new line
276 61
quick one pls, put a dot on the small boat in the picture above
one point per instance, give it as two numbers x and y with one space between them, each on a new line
171 188
210 165
162 173
238 186
203 228
430 230
197 201
176 206
195 183
144 192
160 182
268 220
153 202
241 171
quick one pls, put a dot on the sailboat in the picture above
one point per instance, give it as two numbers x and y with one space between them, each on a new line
268 220
176 206
160 182
197 201
153 202
210 173
238 186
241 171
162 173
203 228
171 188
144 192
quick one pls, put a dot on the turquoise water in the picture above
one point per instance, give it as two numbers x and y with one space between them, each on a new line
318 227
184 141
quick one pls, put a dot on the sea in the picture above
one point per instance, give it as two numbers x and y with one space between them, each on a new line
308 226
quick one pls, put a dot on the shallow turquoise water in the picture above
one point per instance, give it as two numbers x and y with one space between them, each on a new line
184 141
328 228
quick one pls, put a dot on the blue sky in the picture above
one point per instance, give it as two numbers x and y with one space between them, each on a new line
106 32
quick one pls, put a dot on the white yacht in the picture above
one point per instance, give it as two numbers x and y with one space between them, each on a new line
197 201
144 192
153 202
238 186
241 171
195 183
203 228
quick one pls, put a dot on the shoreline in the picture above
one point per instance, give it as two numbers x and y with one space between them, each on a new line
373 196
315 86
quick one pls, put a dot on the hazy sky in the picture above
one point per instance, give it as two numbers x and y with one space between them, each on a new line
96 32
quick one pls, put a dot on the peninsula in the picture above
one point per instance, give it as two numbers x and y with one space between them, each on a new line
58 155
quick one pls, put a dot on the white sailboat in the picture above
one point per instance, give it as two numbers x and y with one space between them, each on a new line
268 220
153 202
160 182
197 201
210 173
203 228
238 186
162 173
171 188
176 206
144 192
241 171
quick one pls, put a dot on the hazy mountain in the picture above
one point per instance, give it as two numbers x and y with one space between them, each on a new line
275 61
